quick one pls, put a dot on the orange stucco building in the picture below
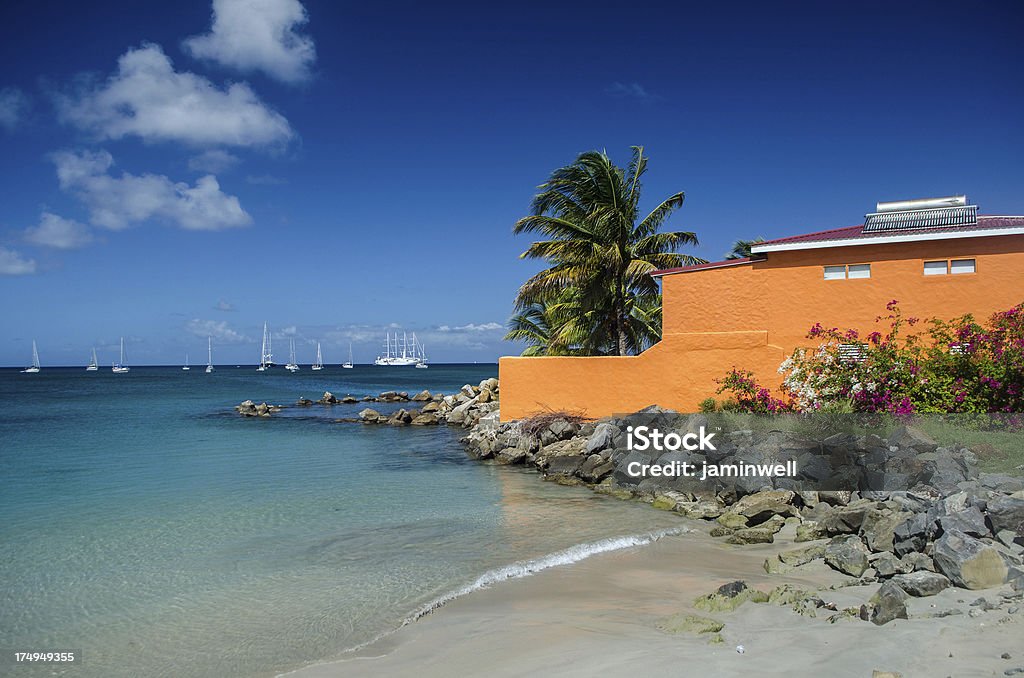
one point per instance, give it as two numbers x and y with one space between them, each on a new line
938 258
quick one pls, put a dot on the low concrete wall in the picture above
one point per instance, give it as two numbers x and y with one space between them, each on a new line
678 372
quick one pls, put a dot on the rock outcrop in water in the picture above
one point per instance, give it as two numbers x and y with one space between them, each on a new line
251 409
467 408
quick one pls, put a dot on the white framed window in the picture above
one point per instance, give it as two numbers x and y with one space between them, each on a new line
843 272
961 266
858 271
935 267
835 273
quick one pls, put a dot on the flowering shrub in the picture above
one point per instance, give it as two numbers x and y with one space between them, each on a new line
955 366
750 396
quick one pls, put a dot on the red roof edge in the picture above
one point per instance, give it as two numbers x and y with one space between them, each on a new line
707 266
836 233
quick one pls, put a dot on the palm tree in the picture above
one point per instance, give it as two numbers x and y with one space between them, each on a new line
599 247
741 248
562 326
546 327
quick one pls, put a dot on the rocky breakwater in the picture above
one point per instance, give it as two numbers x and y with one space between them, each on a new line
471 406
901 510
250 409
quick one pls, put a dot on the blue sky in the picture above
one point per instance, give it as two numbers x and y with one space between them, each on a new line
173 170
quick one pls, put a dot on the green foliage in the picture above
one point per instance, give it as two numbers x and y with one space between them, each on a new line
956 366
600 251
741 249
708 405
749 395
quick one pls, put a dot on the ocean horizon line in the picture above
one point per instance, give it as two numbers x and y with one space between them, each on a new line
200 366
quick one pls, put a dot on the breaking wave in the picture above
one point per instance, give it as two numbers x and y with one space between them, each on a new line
525 568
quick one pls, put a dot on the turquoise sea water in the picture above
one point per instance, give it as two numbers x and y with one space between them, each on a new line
147 525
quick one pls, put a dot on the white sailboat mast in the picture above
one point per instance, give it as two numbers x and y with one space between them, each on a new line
263 346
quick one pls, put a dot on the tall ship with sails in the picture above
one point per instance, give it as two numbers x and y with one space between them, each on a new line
396 355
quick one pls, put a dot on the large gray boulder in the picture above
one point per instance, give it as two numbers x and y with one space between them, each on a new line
913 533
563 429
909 437
1006 513
847 554
846 519
595 468
752 535
921 584
565 465
970 521
968 562
887 565
888 603
1001 482
761 506
602 438
459 414
370 416
879 526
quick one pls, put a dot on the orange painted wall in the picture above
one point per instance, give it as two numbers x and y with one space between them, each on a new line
752 316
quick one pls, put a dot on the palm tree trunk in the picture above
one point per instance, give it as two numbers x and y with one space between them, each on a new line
620 316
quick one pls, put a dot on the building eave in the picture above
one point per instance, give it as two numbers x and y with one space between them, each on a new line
705 267
886 239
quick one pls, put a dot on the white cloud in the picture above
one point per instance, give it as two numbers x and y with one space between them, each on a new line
257 35
483 327
147 98
12 263
13 106
224 306
56 231
119 202
218 329
214 161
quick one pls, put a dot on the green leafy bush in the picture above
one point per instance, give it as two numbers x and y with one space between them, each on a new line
955 366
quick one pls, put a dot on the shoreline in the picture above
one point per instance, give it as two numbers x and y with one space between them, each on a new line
942 547
602 615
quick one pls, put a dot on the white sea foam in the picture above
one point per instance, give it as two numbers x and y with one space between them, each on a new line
525 568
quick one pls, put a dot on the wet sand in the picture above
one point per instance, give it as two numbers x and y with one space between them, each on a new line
599 617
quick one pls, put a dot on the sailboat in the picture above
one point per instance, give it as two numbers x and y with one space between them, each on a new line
119 367
319 364
93 365
292 366
348 364
266 355
422 364
35 361
395 358
209 352
186 368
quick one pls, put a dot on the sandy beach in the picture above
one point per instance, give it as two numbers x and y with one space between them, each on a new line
600 616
